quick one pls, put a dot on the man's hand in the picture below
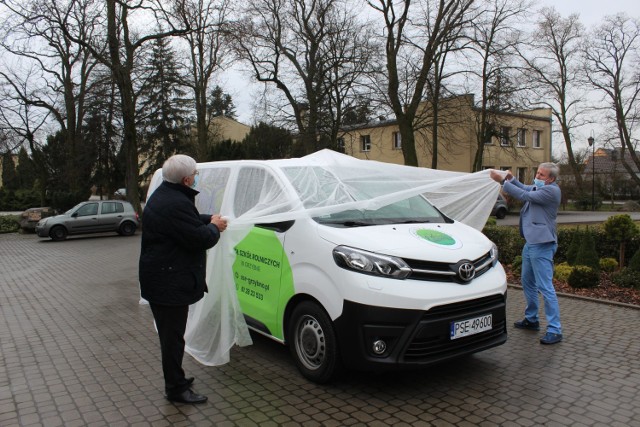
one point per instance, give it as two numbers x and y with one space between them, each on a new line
219 222
499 176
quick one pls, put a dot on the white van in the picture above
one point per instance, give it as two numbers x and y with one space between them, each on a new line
399 285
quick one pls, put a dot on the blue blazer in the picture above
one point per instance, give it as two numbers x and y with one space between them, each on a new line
540 211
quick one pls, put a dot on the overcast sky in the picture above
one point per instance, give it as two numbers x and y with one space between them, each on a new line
592 11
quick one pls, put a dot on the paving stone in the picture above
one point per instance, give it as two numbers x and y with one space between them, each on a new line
77 349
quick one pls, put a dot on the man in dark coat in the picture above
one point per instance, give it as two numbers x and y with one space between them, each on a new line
175 238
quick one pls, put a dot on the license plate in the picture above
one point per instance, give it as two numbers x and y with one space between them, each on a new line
464 328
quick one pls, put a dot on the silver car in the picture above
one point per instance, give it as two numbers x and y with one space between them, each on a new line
91 217
500 208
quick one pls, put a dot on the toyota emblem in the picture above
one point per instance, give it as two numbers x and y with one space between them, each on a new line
466 271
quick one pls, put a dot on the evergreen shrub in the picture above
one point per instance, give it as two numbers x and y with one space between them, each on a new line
562 271
587 254
608 264
627 278
508 240
516 265
634 262
583 277
9 223
575 238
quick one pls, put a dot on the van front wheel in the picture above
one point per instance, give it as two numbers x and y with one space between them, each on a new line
313 342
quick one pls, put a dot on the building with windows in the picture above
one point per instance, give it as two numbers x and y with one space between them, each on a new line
609 178
519 142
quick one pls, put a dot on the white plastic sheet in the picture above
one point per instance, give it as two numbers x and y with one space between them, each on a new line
326 182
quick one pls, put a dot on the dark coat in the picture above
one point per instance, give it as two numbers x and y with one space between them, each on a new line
175 238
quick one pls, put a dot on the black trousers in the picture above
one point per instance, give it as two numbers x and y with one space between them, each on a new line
171 322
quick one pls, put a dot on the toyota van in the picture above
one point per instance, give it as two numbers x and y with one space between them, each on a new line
367 287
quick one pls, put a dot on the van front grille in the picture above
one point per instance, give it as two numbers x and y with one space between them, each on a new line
445 272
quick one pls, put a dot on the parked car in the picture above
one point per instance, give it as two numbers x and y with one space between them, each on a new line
120 194
91 217
29 218
500 208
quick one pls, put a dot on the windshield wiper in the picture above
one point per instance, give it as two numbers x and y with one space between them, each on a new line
348 223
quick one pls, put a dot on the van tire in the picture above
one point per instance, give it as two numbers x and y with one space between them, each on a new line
313 343
58 233
501 213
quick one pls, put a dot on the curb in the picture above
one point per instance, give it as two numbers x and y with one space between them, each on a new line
580 297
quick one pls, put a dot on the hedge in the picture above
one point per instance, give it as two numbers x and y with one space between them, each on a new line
510 243
9 223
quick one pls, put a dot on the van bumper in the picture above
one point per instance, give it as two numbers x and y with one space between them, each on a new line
415 338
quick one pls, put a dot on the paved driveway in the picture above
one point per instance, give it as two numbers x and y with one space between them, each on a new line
77 349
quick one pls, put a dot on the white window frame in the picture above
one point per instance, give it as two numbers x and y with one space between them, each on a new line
536 139
522 137
340 143
365 143
521 174
505 139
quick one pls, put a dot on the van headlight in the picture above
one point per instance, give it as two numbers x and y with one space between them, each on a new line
370 263
494 254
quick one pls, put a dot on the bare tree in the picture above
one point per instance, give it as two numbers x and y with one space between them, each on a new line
208 52
298 46
57 78
122 45
552 67
18 116
353 48
21 122
612 59
493 40
411 55
439 115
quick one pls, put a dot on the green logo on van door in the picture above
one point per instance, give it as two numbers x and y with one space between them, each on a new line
436 237
263 278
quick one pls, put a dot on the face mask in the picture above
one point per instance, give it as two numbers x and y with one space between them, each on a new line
538 182
196 178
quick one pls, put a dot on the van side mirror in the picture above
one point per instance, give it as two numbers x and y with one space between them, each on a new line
74 215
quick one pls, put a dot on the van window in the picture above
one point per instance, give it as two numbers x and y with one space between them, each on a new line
211 185
258 189
415 209
317 186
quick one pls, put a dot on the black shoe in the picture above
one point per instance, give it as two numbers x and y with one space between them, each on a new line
187 396
525 324
190 380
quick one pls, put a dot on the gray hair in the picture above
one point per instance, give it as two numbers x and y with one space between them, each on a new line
177 167
554 169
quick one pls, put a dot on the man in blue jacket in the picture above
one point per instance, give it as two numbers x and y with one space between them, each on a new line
175 238
538 227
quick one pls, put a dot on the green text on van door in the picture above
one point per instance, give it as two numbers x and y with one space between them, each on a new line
263 278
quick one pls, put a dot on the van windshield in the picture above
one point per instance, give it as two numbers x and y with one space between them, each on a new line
318 187
413 210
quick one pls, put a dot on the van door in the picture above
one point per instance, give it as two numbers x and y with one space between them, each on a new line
260 260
